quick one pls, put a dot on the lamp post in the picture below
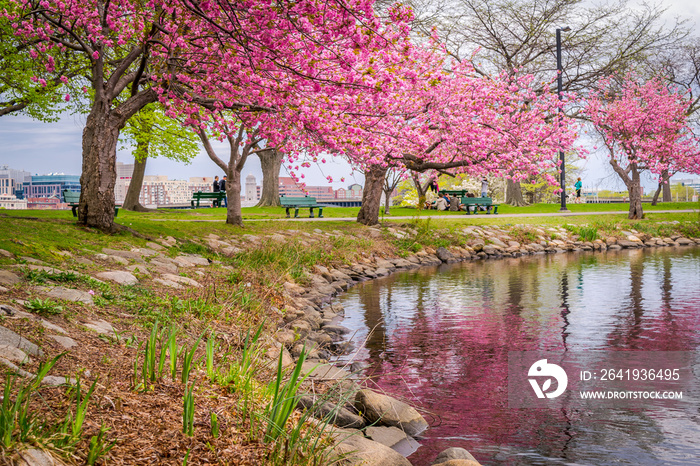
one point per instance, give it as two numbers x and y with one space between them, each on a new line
559 86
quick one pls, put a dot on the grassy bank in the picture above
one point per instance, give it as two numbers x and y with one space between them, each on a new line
190 373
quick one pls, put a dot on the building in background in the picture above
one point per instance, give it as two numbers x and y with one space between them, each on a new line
125 171
46 203
692 189
159 191
252 190
289 187
354 191
18 176
11 202
7 185
51 185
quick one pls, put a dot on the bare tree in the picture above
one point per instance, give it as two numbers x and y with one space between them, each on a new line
681 67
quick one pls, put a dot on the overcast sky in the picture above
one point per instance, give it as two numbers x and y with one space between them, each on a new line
56 147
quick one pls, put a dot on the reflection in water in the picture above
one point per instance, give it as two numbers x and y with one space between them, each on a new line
441 340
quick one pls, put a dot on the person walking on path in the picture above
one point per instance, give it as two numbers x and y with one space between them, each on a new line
222 187
578 187
484 187
217 188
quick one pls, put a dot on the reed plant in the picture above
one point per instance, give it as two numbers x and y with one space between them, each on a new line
188 411
188 360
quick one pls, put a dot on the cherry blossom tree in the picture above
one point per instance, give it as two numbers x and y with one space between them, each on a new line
644 126
446 118
216 55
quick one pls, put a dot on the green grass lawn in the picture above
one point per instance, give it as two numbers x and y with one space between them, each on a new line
262 213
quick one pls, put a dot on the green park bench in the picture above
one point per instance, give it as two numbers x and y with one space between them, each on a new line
72 198
479 202
454 192
301 203
200 196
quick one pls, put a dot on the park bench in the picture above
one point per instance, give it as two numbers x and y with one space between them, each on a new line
214 197
455 192
72 198
301 203
479 202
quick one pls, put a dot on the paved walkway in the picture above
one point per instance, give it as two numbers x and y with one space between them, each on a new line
451 217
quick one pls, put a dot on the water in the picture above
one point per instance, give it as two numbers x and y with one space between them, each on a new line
441 338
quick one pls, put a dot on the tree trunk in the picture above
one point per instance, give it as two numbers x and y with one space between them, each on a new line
131 201
514 193
270 162
666 179
634 189
100 136
387 202
372 196
655 199
234 215
421 190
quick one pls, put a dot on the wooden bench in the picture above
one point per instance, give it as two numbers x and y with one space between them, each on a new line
72 198
479 202
200 196
301 203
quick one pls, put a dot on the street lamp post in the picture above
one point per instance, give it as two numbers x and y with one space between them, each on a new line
559 86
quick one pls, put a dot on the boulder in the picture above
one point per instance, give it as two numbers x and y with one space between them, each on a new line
181 280
65 342
336 415
190 260
164 265
455 454
358 450
300 326
337 329
324 371
10 338
14 354
685 241
293 289
169 283
8 278
119 276
120 253
69 294
5 253
627 244
337 275
53 327
444 255
386 410
136 268
388 436
34 457
100 326
155 246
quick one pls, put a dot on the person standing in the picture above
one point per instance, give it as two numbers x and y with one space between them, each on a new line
222 187
578 187
217 188
484 187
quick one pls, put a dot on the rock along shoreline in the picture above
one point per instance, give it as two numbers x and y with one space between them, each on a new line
313 323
